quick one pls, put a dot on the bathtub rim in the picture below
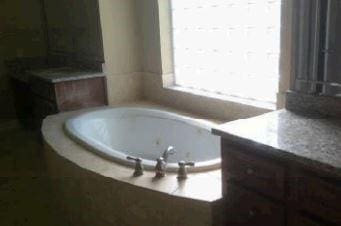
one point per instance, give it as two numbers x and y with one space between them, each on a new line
120 158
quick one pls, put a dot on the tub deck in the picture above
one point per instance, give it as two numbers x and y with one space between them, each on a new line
200 189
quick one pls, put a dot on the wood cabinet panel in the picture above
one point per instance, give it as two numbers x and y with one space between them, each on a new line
23 102
258 189
68 95
42 108
254 172
38 98
43 89
249 209
79 94
297 219
315 195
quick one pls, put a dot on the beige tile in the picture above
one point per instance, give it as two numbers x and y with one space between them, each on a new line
216 174
200 187
167 184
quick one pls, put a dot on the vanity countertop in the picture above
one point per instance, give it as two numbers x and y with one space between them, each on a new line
311 142
63 74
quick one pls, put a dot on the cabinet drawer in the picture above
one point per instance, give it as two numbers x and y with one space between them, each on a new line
254 172
247 208
296 219
316 196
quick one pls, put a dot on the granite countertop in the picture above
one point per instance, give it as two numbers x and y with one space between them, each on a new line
63 74
311 142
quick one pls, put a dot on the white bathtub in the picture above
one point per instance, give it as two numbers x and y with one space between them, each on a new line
115 133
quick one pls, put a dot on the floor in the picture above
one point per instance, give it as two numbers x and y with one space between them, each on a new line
25 197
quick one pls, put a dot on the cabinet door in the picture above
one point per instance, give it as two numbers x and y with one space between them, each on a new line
42 108
60 27
77 31
86 25
315 195
297 219
23 102
245 208
260 174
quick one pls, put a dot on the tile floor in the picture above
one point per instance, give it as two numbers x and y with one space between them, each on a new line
25 197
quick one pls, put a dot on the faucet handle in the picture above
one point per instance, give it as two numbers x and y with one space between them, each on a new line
183 163
182 171
134 158
160 167
138 166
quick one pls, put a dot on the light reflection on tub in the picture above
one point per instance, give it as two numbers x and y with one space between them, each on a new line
115 133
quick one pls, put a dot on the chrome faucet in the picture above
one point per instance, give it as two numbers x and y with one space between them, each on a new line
138 166
182 171
161 162
169 151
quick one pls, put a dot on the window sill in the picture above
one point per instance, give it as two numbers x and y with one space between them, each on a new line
224 98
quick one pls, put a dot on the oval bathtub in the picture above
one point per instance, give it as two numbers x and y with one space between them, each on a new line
116 133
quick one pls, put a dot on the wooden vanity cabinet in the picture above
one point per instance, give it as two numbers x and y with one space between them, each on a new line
299 219
23 103
245 207
54 97
263 190
315 195
255 173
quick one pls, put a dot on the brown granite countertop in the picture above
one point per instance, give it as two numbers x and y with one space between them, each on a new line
62 74
311 142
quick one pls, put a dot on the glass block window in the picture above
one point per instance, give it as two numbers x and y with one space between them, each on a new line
229 47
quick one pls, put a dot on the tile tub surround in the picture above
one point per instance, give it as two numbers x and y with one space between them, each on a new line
313 105
89 183
313 143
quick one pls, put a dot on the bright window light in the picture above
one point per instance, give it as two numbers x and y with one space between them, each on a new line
229 47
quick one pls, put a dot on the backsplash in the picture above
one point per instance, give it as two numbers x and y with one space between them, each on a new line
313 105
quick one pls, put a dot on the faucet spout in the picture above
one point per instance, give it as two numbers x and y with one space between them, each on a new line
161 162
169 151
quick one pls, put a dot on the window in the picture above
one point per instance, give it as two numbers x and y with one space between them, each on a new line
229 47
